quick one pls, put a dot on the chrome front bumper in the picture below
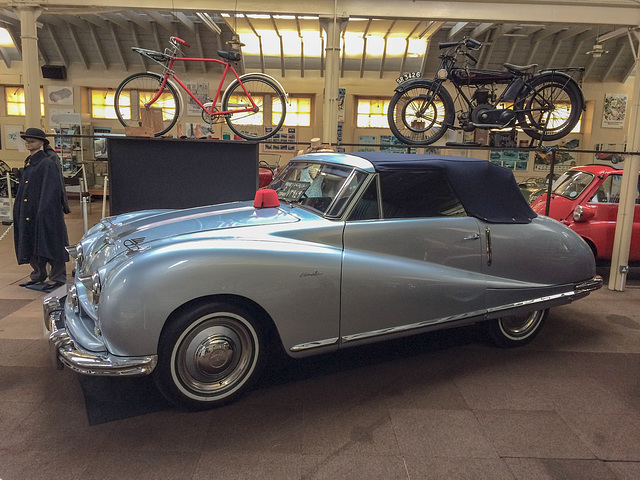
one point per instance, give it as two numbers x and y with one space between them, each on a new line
64 351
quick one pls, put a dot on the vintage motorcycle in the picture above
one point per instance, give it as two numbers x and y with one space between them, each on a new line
546 105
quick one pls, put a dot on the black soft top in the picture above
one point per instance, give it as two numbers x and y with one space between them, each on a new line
487 191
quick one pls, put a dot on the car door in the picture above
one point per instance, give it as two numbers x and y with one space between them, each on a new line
418 265
601 228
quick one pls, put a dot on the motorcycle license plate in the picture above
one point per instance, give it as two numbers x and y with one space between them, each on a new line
408 76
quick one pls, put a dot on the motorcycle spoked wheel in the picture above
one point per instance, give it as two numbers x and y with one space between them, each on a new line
551 108
411 123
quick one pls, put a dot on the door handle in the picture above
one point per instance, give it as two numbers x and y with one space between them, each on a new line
475 236
489 248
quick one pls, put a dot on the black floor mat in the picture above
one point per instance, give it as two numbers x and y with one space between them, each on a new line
114 398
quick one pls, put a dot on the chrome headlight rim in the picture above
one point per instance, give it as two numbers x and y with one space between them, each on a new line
93 286
77 253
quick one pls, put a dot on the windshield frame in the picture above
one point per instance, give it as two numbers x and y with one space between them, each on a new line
332 206
568 179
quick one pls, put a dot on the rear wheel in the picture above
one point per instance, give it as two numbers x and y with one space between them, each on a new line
552 107
132 99
516 330
208 356
419 115
270 108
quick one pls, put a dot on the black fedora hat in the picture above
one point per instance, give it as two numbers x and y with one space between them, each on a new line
35 133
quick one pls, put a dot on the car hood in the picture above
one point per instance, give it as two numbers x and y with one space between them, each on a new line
138 231
560 208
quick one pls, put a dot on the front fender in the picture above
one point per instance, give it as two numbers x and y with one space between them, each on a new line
296 283
417 82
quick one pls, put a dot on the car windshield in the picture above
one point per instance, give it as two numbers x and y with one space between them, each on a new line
572 183
322 187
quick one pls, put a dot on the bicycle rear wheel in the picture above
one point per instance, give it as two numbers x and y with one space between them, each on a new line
136 91
271 108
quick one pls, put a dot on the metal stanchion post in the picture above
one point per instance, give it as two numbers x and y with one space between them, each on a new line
83 200
104 196
10 197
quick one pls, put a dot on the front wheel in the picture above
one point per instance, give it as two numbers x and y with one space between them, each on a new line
262 120
516 330
551 107
132 97
421 114
208 356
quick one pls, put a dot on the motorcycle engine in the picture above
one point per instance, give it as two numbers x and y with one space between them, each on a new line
486 114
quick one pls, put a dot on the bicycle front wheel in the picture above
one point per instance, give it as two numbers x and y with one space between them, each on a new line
265 120
132 99
421 114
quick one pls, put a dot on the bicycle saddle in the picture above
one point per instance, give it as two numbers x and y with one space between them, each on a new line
519 68
231 56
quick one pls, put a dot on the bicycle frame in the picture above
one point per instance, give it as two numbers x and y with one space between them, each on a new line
169 72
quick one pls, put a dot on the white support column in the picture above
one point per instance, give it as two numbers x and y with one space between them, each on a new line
628 192
333 26
31 75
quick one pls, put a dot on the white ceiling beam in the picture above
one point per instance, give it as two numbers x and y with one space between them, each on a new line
136 42
618 50
480 29
161 20
5 57
616 12
98 45
56 44
116 19
78 46
96 20
118 46
136 18
456 29
186 21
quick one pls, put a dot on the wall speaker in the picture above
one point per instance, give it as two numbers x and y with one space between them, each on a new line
57 72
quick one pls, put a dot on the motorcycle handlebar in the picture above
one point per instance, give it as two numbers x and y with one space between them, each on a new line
442 45
180 41
471 57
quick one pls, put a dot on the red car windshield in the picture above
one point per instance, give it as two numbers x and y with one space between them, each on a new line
572 183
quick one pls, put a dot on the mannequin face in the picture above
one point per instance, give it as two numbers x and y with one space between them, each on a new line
33 144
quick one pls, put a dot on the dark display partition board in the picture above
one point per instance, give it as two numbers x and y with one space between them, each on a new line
149 173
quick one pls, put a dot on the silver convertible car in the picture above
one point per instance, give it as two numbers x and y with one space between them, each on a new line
340 250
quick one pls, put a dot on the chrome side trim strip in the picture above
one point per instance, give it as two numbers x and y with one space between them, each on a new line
577 290
316 344
412 326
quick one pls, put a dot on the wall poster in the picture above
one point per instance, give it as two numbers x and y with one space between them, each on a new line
615 109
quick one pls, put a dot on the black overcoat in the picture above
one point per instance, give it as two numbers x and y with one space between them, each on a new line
38 217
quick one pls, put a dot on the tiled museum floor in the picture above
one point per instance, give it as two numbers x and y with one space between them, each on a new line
440 406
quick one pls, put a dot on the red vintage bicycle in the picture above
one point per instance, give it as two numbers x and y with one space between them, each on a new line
253 104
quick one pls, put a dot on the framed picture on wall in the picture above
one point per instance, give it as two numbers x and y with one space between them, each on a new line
12 140
614 111
57 95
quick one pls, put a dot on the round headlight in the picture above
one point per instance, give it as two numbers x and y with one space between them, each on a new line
96 287
76 252
578 213
93 286
442 74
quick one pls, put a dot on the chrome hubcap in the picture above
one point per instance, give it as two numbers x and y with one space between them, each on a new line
215 355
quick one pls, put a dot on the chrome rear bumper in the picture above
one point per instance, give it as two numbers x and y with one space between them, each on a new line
64 351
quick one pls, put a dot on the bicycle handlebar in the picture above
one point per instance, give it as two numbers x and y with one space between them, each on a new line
179 40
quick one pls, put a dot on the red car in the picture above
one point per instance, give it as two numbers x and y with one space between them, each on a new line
586 199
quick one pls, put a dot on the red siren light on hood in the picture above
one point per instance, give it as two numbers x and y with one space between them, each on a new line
266 198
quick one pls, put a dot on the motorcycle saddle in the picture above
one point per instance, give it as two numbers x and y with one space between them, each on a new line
519 68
